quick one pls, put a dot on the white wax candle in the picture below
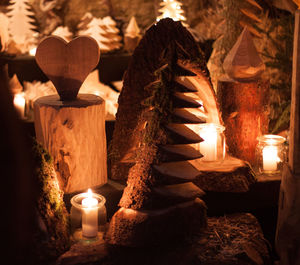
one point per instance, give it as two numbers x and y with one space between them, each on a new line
208 148
32 51
19 103
89 216
270 157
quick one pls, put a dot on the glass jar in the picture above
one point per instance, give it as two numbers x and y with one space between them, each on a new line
213 145
88 221
270 154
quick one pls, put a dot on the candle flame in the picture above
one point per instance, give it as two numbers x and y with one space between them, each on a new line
32 51
89 193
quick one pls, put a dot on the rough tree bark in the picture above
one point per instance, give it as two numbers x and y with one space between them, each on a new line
244 108
74 134
288 232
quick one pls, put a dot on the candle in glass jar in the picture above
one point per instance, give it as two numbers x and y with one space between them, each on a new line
89 215
208 147
270 158
19 103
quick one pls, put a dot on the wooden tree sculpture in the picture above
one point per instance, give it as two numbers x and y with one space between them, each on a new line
159 184
66 124
234 175
110 38
21 24
171 9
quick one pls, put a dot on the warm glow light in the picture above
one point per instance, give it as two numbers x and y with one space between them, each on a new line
270 156
208 148
32 51
19 103
89 215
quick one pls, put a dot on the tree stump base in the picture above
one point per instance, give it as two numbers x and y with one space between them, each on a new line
74 134
232 239
245 111
232 175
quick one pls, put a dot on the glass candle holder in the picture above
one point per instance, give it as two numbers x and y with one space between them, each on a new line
213 145
270 154
88 216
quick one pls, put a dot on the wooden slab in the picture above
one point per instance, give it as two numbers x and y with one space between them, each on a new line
182 100
67 64
179 152
232 175
181 134
186 116
177 172
232 239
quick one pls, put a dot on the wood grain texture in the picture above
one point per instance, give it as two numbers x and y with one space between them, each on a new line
67 64
74 134
243 63
288 223
244 108
294 145
232 175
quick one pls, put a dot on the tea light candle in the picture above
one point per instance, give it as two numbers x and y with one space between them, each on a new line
89 215
270 158
19 103
208 147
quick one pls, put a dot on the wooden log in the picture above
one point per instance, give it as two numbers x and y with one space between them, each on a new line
288 223
232 175
231 239
136 228
74 134
244 108
288 232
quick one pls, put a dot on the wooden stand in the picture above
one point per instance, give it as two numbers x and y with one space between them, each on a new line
74 134
288 231
231 175
244 108
231 239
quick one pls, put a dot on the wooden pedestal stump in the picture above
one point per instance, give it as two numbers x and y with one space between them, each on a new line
244 108
288 225
74 133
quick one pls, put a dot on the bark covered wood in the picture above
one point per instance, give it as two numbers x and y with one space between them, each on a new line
244 108
74 134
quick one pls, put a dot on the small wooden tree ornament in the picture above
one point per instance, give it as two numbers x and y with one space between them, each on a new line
243 98
72 127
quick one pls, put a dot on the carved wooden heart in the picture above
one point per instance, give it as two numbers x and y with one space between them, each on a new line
67 64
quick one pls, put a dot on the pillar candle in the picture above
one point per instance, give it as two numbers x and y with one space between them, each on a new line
89 216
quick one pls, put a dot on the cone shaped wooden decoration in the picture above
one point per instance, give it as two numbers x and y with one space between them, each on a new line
154 140
67 64
243 62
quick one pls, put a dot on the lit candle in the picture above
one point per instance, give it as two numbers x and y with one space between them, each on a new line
208 148
89 215
19 102
32 51
270 158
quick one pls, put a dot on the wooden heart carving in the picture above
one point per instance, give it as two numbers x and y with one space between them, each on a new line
67 64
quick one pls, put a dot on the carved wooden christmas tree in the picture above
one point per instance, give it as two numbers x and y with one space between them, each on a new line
66 125
21 28
110 39
171 9
90 26
132 35
154 140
